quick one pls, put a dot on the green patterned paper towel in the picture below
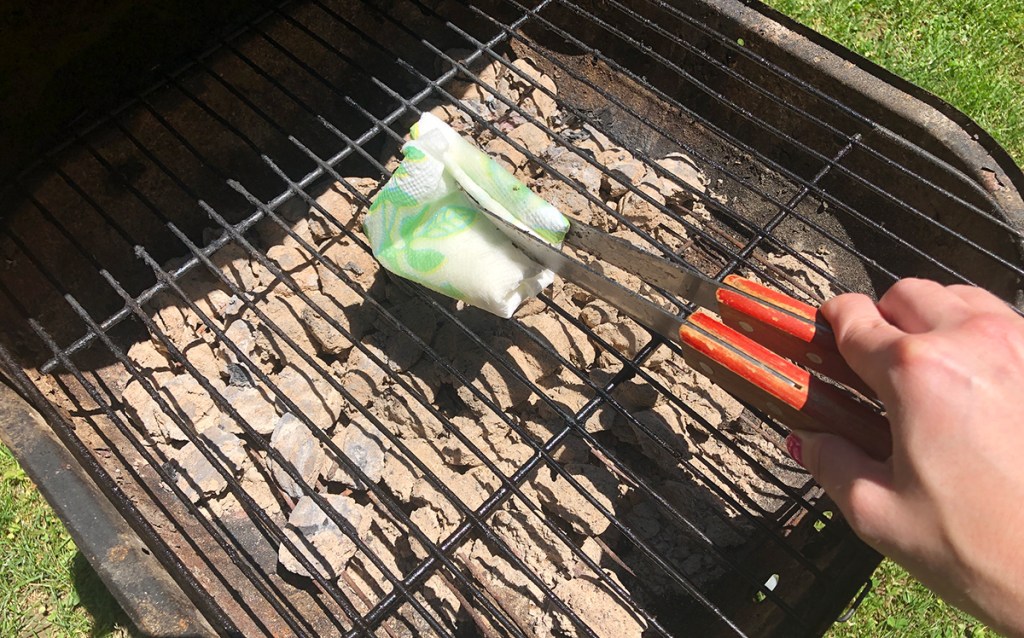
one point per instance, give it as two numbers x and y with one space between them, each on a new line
424 227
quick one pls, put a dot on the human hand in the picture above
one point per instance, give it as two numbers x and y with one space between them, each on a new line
948 505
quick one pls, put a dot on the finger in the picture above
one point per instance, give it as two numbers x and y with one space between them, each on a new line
921 305
980 299
859 485
862 336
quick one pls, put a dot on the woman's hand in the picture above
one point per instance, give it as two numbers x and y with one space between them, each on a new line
948 363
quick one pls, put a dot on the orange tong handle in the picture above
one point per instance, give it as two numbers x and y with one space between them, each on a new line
779 388
803 336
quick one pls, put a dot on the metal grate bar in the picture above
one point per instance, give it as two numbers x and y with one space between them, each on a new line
213 269
341 274
332 590
407 454
187 266
65 430
603 397
406 92
393 133
248 568
630 369
507 485
309 248
485 124
591 335
100 211
498 355
419 575
649 162
181 294
394 509
437 551
285 278
461 67
788 104
766 230
711 161
868 224
306 181
251 507
578 373
247 195
873 125
761 122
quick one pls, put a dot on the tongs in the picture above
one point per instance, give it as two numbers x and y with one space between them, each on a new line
752 352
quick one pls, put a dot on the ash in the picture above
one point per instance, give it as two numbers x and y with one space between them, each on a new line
362 410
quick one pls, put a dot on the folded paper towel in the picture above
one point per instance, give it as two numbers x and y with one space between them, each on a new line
423 225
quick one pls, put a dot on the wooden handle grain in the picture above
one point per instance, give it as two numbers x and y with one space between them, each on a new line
787 326
789 394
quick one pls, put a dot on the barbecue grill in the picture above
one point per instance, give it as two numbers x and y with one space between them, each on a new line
534 476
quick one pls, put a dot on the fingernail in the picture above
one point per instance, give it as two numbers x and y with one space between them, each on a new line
795 448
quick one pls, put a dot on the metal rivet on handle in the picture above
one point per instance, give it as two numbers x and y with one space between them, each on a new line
813 358
746 326
706 368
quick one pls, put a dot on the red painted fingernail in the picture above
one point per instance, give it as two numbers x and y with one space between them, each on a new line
795 448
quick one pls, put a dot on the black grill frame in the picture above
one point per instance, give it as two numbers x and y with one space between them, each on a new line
474 522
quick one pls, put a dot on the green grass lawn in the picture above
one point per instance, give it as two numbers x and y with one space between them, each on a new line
968 52
47 587
971 53
901 607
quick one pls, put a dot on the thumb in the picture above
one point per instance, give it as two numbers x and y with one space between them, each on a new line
859 485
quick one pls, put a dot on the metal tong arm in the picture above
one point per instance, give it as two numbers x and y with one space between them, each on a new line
777 321
757 369
750 371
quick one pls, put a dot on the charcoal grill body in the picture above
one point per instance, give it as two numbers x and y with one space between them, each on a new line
807 143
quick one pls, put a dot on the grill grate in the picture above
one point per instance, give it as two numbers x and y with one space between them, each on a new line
317 92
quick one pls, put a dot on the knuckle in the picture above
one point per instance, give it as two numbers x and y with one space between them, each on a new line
913 284
1001 337
964 289
914 351
863 511
847 337
852 330
901 288
992 327
907 290
979 298
850 335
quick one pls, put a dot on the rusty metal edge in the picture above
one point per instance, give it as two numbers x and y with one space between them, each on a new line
974 134
982 158
152 599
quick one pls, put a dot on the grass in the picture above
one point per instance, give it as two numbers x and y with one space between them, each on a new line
969 52
901 607
47 587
